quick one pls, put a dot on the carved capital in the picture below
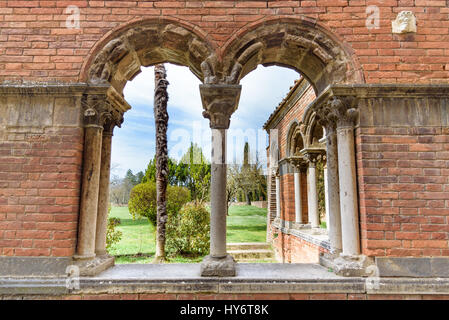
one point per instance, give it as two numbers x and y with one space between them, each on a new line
219 103
98 112
298 162
313 155
337 112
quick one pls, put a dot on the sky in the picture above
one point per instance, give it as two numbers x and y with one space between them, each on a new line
133 144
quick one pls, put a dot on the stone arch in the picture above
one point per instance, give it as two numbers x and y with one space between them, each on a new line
294 139
117 58
298 43
312 129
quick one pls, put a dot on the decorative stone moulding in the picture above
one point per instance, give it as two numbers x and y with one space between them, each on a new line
219 102
405 23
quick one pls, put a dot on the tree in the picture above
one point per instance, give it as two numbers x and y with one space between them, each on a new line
174 177
120 188
246 179
196 171
232 186
161 119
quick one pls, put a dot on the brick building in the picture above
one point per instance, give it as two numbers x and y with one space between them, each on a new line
381 95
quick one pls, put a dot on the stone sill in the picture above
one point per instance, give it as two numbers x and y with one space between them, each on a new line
251 278
316 236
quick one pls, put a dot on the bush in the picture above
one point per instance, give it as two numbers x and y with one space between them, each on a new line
112 235
142 201
188 231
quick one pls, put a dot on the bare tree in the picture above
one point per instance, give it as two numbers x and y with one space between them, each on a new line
161 120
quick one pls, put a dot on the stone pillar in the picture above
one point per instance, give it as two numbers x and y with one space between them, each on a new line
339 116
218 194
90 185
298 202
312 196
348 189
219 102
333 193
326 196
278 196
103 196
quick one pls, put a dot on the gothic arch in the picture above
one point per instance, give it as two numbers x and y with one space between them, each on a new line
298 43
117 58
295 138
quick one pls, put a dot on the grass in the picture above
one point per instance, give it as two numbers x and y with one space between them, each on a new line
244 224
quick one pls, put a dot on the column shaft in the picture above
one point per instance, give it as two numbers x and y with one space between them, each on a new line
218 194
333 194
103 196
298 203
348 191
314 218
326 196
278 197
89 192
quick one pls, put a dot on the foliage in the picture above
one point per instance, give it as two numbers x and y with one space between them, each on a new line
174 176
246 181
320 189
142 202
188 231
112 236
244 224
192 171
120 188
197 173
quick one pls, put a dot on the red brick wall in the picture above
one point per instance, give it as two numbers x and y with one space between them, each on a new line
287 197
304 251
34 43
403 188
39 192
295 114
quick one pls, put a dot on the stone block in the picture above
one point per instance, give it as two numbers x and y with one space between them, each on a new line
218 267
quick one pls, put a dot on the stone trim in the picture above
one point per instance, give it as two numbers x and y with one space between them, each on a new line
281 278
413 266
34 266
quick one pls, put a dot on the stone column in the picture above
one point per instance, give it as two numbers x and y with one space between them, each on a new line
278 196
219 102
339 118
218 194
90 185
103 196
333 193
298 203
348 189
326 195
312 196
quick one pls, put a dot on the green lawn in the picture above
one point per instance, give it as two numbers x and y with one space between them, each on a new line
245 224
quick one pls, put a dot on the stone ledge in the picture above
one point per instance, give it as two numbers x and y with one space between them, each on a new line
413 267
250 278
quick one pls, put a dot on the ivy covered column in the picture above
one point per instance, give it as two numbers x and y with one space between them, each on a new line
219 102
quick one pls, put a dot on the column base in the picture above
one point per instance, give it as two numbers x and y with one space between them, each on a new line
218 267
348 265
94 266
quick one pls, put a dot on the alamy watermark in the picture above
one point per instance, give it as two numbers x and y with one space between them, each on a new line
73 277
73 20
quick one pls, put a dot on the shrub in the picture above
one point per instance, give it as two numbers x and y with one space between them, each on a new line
112 235
188 231
142 200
